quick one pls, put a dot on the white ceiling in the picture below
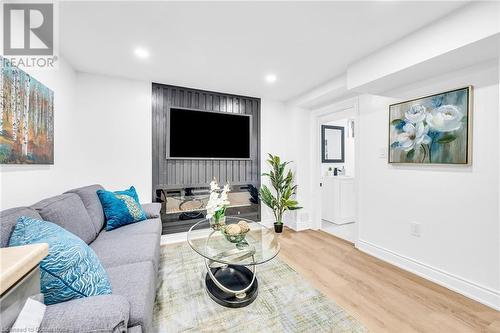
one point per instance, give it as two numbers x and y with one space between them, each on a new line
230 47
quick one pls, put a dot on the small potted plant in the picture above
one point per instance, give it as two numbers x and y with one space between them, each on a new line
217 204
283 184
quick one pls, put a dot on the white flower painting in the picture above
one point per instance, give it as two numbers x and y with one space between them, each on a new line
433 129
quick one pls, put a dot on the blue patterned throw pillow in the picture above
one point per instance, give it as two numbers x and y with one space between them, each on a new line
121 207
70 270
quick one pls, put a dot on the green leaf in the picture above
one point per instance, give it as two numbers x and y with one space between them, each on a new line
447 138
396 122
291 203
410 155
267 197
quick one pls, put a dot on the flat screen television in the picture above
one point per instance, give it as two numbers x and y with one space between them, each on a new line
194 134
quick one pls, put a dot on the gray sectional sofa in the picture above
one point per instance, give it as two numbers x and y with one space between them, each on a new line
129 254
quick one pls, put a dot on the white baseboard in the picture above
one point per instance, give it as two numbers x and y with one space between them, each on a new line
173 238
267 223
297 226
291 224
344 231
482 294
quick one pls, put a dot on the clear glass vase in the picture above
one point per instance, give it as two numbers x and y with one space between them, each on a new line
217 223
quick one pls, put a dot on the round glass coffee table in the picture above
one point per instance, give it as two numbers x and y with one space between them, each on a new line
231 267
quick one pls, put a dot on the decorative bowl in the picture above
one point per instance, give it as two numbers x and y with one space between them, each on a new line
235 233
234 238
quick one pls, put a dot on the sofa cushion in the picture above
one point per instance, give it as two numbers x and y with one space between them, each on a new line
8 220
124 249
70 270
151 226
68 211
136 282
104 313
152 209
89 197
121 207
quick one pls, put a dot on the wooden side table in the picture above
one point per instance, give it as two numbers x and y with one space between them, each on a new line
19 278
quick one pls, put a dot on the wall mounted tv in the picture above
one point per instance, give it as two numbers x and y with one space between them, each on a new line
196 134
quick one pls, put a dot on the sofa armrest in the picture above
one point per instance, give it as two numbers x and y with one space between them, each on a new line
104 313
152 209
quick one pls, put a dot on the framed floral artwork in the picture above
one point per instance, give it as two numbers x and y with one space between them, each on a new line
434 129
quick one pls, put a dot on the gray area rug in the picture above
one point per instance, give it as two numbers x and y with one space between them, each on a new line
286 302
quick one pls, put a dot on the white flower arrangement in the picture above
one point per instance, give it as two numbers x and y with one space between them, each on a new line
218 200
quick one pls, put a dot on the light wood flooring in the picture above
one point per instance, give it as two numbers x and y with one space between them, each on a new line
383 297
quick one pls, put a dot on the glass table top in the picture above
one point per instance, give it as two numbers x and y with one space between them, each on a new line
260 244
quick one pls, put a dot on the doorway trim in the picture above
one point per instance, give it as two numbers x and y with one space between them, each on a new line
348 108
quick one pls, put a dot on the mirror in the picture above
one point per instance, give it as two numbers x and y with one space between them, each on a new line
332 144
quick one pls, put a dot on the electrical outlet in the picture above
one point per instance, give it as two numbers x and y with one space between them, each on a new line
415 229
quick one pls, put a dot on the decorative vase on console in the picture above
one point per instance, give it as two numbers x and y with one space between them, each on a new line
217 204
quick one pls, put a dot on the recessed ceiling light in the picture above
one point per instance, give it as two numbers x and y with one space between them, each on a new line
271 78
141 53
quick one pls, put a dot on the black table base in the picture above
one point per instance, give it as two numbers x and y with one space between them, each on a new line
232 277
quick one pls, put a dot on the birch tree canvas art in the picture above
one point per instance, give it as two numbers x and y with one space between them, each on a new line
432 130
26 118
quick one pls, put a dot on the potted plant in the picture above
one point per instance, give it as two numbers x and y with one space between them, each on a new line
282 182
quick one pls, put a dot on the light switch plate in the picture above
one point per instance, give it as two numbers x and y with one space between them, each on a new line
382 153
415 229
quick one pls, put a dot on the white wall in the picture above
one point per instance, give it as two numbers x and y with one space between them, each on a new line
113 133
26 184
274 137
299 132
273 141
457 206
285 132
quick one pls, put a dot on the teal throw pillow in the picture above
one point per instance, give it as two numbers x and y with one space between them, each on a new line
70 270
121 207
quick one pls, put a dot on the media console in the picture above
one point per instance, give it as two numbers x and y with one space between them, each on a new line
183 207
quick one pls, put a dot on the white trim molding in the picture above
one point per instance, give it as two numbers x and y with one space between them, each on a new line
173 238
348 108
477 292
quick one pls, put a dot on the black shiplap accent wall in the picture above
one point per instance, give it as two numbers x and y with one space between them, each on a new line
172 174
